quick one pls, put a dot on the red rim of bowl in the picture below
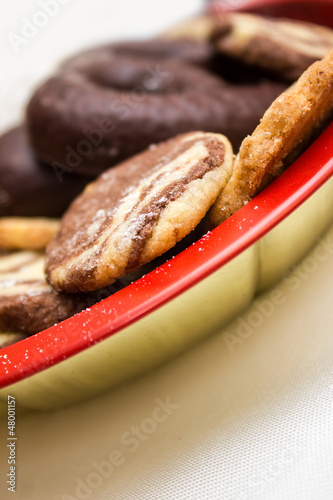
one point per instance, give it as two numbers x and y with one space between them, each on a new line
262 4
42 350
319 11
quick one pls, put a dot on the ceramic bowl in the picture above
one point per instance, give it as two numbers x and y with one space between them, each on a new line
189 297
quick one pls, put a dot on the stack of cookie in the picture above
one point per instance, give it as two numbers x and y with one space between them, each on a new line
148 131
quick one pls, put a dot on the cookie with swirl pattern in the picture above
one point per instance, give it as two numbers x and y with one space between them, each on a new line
28 303
283 47
138 210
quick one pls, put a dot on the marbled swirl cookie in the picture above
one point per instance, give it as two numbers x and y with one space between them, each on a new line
285 130
282 46
27 303
138 210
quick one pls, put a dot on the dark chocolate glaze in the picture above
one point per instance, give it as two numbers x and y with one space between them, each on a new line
29 188
185 49
98 111
200 53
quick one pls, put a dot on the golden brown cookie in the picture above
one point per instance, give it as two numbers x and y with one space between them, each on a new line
27 303
26 233
284 131
138 210
282 46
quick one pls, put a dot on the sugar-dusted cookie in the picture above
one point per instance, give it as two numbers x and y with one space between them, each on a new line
27 303
282 46
285 129
138 210
26 233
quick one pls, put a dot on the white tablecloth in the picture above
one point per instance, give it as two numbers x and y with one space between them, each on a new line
239 417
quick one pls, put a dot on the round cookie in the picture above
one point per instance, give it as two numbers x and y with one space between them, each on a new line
138 210
284 131
284 47
27 303
26 233
185 49
197 28
28 188
93 116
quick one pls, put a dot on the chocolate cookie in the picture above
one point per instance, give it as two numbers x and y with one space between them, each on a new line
27 303
283 46
189 50
101 111
184 49
28 188
138 210
285 130
26 233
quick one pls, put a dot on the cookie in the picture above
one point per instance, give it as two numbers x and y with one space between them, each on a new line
138 210
196 28
27 302
28 187
97 112
184 49
282 46
26 233
285 130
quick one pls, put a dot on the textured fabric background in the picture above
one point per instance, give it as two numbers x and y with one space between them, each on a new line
247 421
